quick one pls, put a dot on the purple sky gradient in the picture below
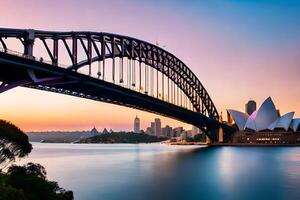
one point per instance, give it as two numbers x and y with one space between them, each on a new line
238 49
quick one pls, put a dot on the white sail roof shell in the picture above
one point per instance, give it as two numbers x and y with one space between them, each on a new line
266 115
285 121
239 118
295 124
273 125
250 124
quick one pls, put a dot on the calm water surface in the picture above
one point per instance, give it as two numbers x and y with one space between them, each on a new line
156 171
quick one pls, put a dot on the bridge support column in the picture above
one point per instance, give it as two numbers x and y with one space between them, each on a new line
28 43
208 141
220 138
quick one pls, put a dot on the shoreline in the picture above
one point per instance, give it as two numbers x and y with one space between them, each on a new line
252 145
192 144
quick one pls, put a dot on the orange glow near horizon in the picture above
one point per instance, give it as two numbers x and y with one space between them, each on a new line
237 55
43 111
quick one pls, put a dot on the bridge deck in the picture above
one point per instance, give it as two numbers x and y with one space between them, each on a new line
14 68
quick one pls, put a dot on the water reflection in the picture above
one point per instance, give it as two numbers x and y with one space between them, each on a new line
158 171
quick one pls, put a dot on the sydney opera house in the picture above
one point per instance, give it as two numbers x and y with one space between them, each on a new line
265 125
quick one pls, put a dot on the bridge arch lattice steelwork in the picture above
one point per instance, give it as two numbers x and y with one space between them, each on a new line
157 78
101 47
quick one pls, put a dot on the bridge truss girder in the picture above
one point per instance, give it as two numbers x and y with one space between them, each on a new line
102 46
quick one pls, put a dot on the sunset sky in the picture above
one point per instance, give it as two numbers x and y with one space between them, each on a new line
240 50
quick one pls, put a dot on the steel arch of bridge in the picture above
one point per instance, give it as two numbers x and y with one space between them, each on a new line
100 46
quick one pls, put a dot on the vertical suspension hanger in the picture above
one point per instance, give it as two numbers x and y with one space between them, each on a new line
146 78
93 44
133 72
122 62
133 64
74 51
103 52
157 88
172 92
140 68
128 72
178 96
99 62
55 50
168 77
163 78
113 59
140 75
99 69
181 97
90 54
121 70
152 79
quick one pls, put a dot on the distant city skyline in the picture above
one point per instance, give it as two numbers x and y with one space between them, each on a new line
238 50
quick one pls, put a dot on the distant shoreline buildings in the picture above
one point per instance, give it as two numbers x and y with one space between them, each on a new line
156 129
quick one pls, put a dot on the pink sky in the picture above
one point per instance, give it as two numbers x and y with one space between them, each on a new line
237 55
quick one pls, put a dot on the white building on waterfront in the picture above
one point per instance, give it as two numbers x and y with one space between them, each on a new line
266 118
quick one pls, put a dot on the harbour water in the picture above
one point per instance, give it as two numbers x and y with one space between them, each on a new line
158 171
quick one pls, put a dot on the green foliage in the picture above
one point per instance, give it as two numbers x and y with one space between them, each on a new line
13 143
29 182
28 169
123 137
8 192
200 137
197 138
26 182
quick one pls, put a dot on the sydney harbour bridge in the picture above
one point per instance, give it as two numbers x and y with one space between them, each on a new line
109 68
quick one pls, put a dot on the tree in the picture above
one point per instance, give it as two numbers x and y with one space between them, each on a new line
13 143
31 179
27 182
200 137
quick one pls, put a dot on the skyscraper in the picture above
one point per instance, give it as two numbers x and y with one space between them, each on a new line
157 130
167 131
136 128
152 128
250 107
177 131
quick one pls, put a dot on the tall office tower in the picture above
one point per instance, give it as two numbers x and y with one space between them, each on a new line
157 131
250 107
167 131
177 131
136 125
152 128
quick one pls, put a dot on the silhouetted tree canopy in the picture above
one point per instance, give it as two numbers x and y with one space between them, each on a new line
200 137
29 182
123 137
13 143
28 169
